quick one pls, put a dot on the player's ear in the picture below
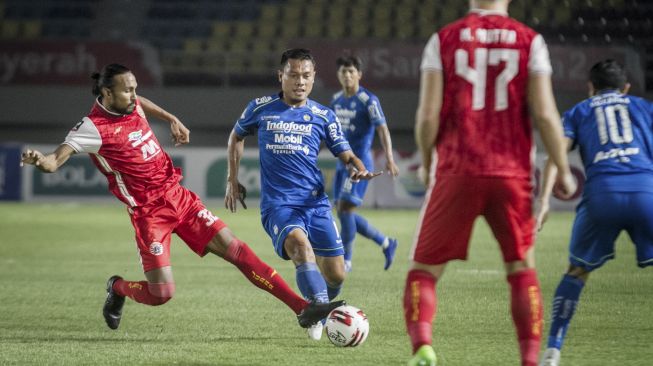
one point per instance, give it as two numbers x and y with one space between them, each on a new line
626 88
106 92
280 74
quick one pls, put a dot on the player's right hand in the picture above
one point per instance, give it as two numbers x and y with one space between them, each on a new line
235 192
565 185
424 175
541 213
32 157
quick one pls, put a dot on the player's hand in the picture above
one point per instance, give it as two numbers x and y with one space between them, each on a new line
424 175
235 192
356 175
565 185
391 168
32 157
180 134
541 213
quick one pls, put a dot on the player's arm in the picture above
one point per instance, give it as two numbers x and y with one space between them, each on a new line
235 191
547 119
357 170
180 134
427 118
386 143
548 181
47 163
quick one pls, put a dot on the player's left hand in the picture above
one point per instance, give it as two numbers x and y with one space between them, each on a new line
541 213
356 175
180 134
392 168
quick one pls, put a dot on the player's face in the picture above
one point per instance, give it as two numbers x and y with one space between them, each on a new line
297 78
121 98
349 77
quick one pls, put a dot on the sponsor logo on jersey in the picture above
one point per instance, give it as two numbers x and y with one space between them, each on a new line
156 248
78 125
135 136
262 100
321 112
373 110
275 229
352 105
364 97
620 154
289 127
335 132
287 148
140 112
280 138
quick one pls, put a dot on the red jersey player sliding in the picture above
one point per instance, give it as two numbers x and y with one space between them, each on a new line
118 138
481 78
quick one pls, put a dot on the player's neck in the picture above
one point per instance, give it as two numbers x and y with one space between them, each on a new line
351 91
295 103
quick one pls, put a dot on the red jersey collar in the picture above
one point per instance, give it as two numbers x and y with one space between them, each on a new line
483 12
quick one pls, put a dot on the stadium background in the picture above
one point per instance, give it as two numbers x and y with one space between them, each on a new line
204 60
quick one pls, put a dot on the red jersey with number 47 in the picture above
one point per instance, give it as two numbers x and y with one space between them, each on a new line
125 150
486 58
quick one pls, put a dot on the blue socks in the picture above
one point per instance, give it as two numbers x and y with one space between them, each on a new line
311 283
364 228
565 301
347 232
333 291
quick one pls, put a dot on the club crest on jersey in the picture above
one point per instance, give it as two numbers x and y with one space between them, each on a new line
307 117
352 105
156 248
140 112
136 135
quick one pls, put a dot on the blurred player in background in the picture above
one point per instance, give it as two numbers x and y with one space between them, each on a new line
295 210
614 133
481 77
118 138
360 114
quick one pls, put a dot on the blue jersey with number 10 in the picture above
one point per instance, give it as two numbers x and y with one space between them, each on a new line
289 141
615 135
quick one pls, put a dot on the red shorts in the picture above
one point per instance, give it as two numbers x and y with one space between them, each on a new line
454 203
178 211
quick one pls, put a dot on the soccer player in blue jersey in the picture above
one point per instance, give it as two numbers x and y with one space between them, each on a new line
614 133
360 113
295 210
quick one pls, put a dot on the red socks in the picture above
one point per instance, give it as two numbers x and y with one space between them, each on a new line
526 306
263 276
150 294
420 304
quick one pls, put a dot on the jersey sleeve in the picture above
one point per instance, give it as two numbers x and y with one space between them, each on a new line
247 123
375 112
335 139
539 61
84 137
431 57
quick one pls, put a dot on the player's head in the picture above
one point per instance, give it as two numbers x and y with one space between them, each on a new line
607 74
297 75
349 71
116 86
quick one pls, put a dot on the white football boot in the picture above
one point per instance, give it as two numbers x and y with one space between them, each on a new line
315 331
551 357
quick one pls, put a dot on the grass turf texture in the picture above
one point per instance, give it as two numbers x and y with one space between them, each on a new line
55 259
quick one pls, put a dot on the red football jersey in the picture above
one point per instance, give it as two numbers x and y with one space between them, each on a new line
486 58
125 150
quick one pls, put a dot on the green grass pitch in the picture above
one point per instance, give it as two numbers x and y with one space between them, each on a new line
55 259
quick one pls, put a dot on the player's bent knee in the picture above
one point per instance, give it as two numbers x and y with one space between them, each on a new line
162 292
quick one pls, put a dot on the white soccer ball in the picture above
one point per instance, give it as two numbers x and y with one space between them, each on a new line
347 326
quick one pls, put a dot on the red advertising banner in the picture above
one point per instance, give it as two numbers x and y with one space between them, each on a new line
71 63
396 64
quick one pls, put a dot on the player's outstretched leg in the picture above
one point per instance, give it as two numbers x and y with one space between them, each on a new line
565 301
113 305
347 234
389 245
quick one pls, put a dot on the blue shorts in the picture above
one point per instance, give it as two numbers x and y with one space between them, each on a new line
599 220
316 222
346 190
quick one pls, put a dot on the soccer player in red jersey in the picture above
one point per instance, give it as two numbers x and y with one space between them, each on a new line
120 142
484 77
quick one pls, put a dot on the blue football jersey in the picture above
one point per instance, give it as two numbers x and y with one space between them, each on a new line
359 114
614 132
289 141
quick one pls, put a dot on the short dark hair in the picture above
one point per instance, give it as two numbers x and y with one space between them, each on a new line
296 54
104 78
348 61
608 74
